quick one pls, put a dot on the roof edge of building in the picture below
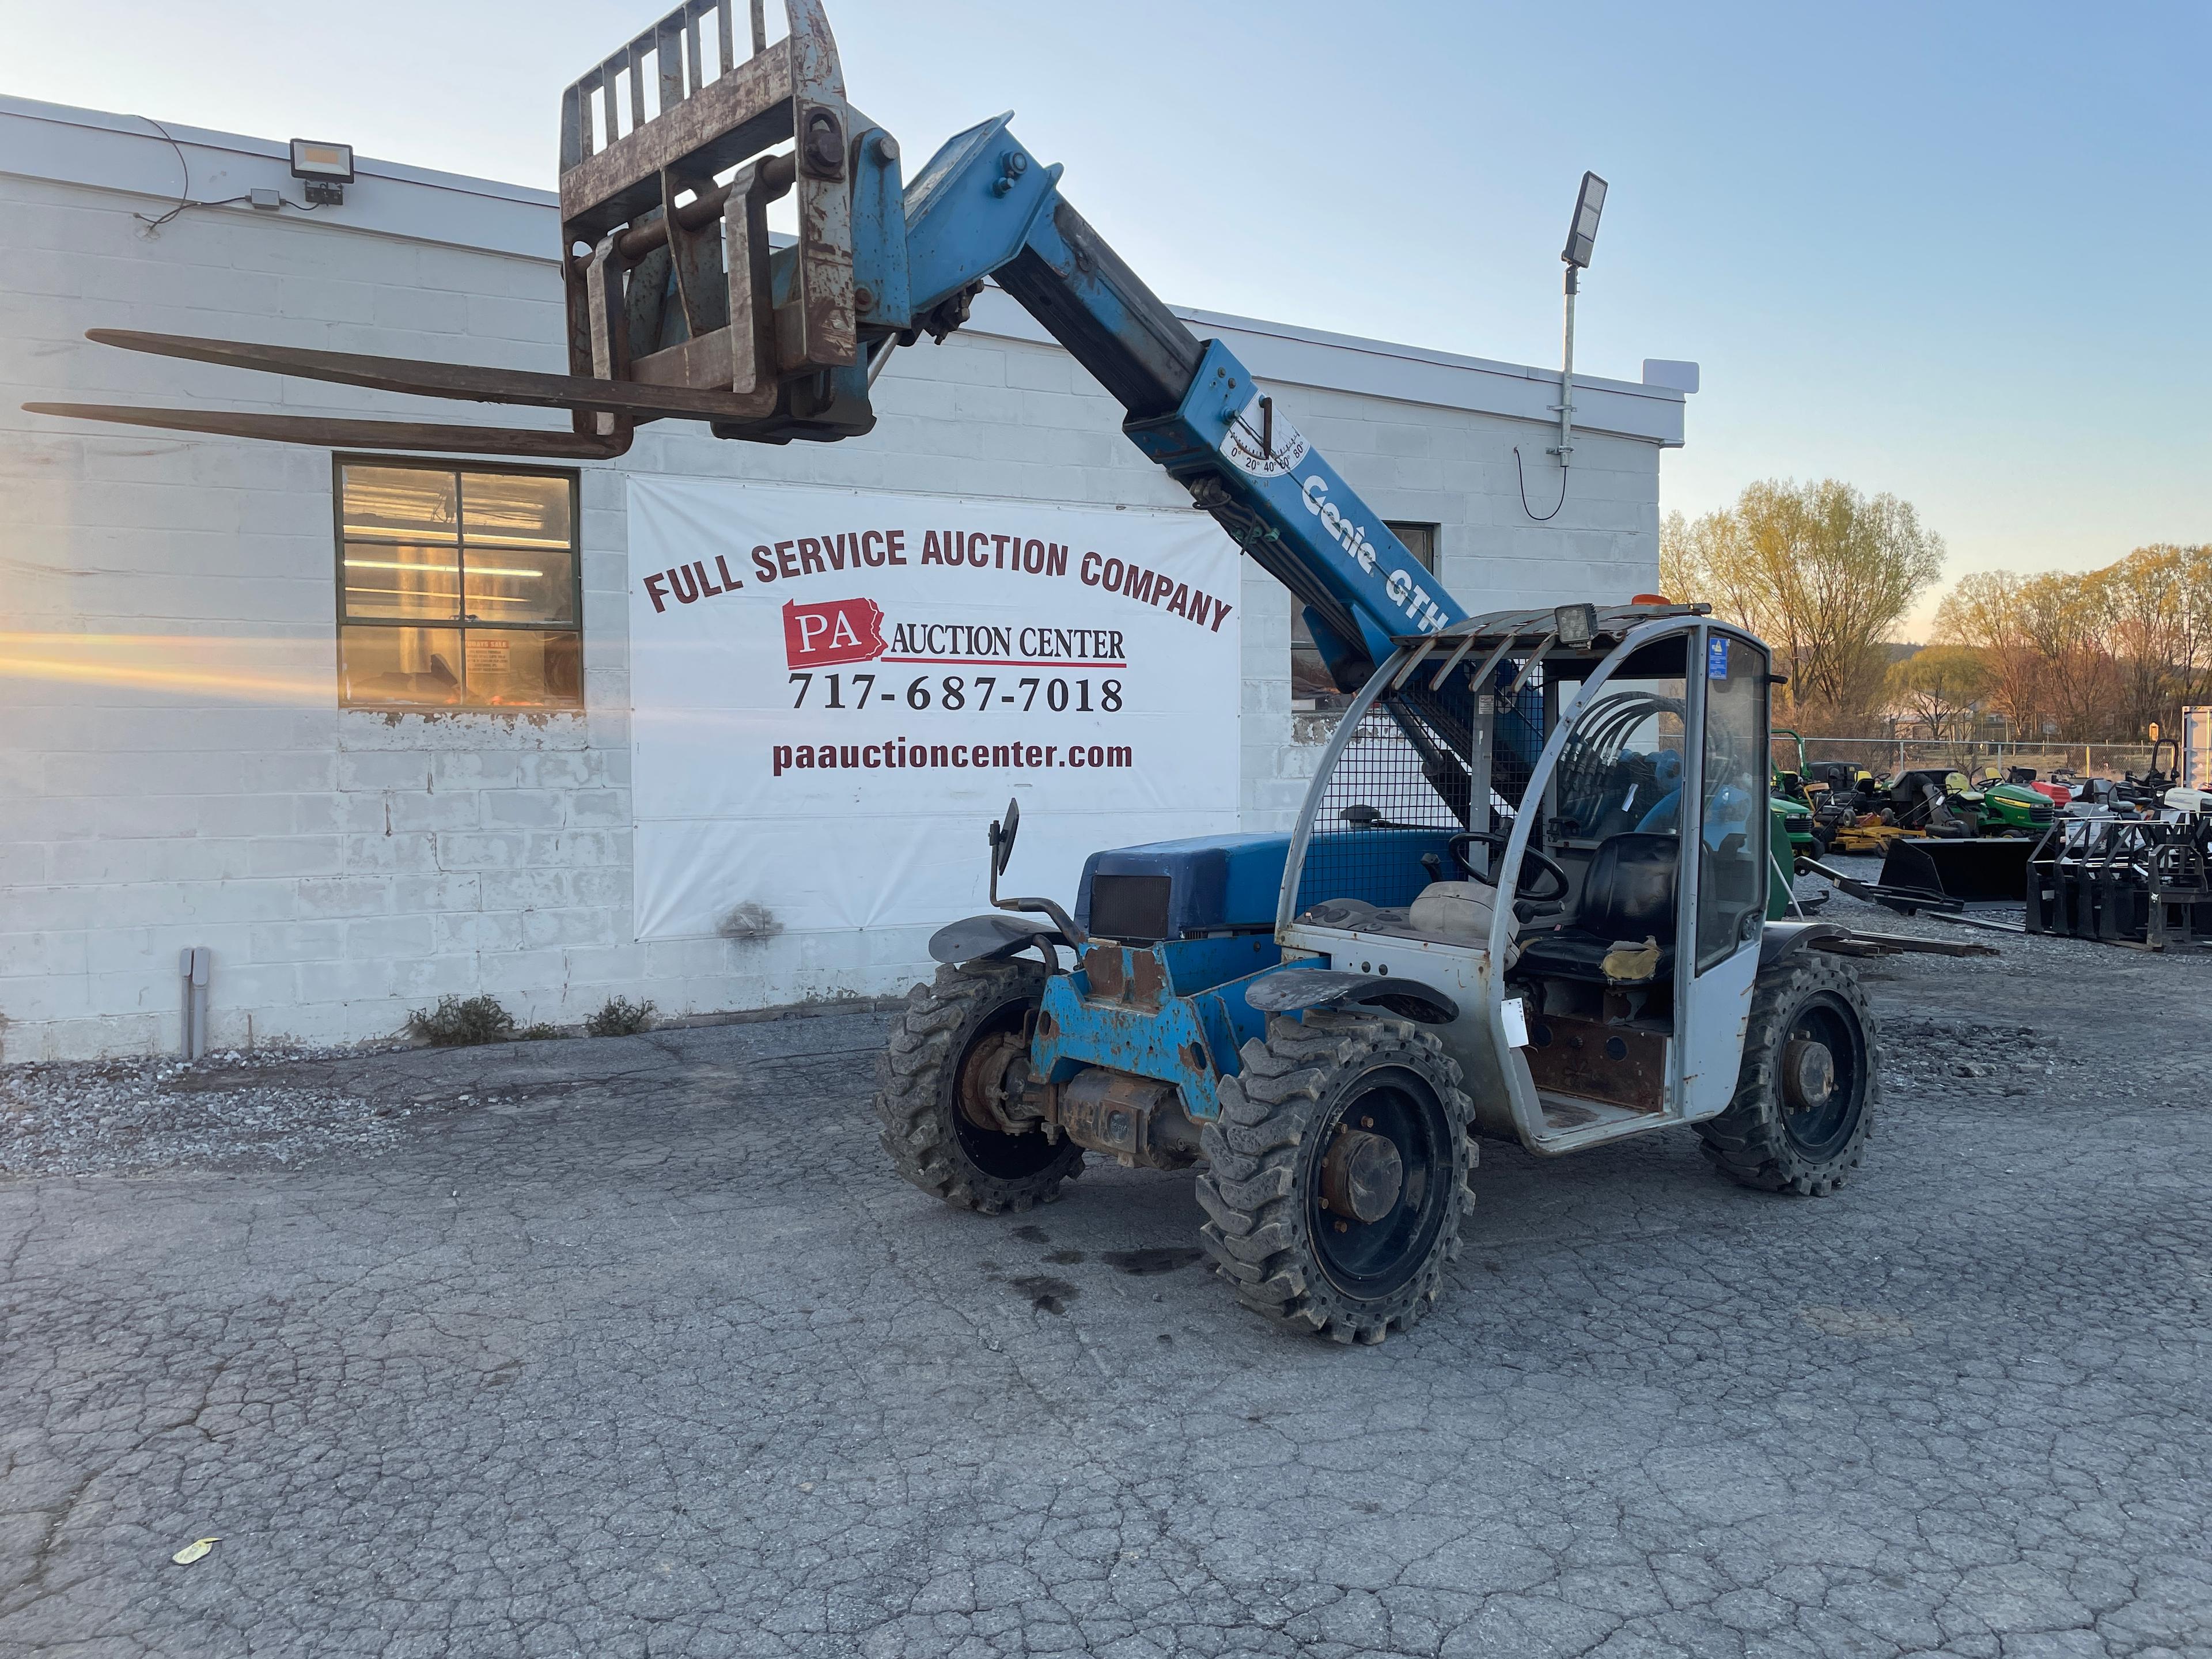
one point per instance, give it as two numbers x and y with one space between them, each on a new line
134 154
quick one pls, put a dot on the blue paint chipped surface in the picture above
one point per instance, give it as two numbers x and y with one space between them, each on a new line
1190 1039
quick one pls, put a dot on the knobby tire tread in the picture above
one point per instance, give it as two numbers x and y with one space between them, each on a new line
1256 1233
1748 1140
914 1095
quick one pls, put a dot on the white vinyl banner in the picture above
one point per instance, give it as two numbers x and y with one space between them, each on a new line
837 690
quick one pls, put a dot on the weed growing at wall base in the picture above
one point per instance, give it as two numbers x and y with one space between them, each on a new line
457 1022
619 1017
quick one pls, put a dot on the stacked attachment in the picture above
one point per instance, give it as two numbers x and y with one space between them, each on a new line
2140 882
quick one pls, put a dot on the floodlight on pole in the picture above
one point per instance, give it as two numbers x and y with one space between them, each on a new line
1582 234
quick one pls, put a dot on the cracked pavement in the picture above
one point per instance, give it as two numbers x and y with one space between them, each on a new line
654 1356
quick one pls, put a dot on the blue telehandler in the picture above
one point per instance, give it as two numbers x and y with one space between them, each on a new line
1526 894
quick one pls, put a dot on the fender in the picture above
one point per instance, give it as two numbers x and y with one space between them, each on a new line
981 938
1781 938
1294 989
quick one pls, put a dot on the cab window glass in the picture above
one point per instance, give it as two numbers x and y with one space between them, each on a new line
1732 845
1621 770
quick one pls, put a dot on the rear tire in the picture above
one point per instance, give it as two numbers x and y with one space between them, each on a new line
931 1142
1383 1094
1781 1132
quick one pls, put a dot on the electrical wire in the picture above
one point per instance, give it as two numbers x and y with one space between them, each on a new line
185 194
1538 518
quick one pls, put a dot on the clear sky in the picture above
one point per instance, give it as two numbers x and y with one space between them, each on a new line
1954 251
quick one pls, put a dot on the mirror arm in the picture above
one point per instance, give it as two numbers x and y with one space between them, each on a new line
1001 839
1062 920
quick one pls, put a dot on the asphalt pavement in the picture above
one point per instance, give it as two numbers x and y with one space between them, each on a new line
634 1346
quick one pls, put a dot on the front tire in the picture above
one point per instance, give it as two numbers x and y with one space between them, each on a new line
967 1020
1806 1091
1336 1184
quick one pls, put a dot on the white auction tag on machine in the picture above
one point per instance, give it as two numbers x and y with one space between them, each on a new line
1516 1022
836 690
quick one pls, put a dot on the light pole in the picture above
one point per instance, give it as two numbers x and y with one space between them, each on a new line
1581 241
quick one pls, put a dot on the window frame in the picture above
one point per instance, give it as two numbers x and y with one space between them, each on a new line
1338 702
461 622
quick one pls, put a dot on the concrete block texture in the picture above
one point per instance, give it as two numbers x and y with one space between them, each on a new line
182 774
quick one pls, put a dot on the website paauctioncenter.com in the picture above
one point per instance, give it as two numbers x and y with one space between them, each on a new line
904 754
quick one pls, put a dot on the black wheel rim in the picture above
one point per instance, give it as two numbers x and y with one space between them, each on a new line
1818 1129
1369 1260
1002 1157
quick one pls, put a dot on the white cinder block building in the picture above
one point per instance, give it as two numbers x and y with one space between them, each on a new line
215 731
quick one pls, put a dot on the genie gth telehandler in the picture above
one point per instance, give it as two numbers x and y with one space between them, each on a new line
1526 895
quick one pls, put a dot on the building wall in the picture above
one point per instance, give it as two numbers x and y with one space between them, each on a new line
173 769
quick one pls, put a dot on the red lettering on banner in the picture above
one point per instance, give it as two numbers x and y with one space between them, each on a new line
835 631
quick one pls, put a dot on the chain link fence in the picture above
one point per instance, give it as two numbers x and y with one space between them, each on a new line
1890 756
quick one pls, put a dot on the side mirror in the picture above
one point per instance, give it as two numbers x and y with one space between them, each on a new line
1002 838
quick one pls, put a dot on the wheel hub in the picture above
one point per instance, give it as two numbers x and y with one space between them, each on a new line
1361 1176
986 1082
1809 1074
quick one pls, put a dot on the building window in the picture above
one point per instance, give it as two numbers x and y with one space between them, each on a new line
1312 692
458 586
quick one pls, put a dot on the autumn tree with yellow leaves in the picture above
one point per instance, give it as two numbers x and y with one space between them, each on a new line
1823 573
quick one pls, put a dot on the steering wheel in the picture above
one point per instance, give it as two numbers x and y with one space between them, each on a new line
1530 858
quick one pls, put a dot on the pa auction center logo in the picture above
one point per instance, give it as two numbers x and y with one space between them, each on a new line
836 631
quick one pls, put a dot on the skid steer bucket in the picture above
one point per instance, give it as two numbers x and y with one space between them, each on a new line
1979 870
678 307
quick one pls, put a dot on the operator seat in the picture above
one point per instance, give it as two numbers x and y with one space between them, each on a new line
1628 896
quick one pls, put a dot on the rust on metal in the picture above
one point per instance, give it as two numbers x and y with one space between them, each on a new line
1361 1174
1148 979
425 379
1615 1064
751 291
1135 1120
988 1085
639 192
357 434
1102 965
776 173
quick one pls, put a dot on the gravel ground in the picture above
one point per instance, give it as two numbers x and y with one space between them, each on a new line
634 1347
227 1111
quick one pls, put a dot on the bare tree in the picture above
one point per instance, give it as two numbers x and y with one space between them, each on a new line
1820 571
2091 656
1942 686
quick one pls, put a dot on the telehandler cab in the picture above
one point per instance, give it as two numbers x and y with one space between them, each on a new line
1526 895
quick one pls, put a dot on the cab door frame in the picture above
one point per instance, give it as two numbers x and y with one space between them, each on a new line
1712 1005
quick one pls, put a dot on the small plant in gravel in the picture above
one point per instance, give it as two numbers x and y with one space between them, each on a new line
619 1017
458 1022
539 1032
